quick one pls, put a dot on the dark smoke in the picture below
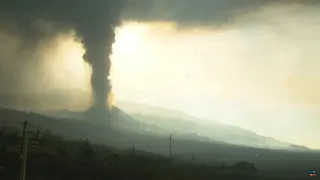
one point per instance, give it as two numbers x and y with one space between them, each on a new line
98 41
195 13
93 21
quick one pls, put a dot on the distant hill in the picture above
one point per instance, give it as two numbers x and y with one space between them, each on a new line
179 122
144 118
183 148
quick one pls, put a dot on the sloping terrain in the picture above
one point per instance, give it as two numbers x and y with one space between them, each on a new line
150 119
166 121
267 160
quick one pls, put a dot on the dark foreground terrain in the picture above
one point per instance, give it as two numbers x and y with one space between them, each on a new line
90 162
50 157
71 157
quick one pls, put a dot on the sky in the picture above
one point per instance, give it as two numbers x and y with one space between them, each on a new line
261 76
253 66
217 75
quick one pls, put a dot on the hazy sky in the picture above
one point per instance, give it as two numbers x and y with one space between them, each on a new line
254 65
262 76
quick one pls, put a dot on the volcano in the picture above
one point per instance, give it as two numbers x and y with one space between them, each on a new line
100 115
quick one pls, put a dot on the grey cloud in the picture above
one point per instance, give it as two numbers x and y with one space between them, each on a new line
93 21
35 20
199 12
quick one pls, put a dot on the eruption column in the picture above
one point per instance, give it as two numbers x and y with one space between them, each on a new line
93 21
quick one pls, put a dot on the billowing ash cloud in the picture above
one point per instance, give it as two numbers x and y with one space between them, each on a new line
93 21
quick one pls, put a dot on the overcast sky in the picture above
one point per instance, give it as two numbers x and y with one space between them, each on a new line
250 63
259 74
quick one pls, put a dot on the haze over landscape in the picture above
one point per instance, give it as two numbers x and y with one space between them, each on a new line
225 81
253 66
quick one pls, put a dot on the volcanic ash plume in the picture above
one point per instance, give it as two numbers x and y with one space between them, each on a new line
94 23
98 40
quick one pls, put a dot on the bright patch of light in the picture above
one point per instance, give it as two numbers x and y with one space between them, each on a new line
221 75
129 39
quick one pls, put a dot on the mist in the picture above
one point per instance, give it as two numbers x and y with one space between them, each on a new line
252 65
46 67
259 73
93 23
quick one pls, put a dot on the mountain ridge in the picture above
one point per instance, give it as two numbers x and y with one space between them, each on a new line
159 120
204 127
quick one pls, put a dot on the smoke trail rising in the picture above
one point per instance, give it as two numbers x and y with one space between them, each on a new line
92 21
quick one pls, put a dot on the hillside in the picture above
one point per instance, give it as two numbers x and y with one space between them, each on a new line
279 162
143 117
51 157
163 120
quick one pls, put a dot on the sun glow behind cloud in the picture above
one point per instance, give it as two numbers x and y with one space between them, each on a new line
65 65
261 76
249 75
